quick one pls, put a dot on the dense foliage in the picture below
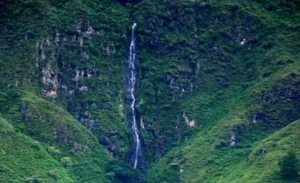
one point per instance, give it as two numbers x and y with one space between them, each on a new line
217 92
289 166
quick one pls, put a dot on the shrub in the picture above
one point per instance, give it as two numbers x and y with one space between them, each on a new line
54 173
34 180
2 152
53 150
66 161
289 166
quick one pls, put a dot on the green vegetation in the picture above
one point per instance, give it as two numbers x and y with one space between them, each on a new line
289 166
24 159
218 90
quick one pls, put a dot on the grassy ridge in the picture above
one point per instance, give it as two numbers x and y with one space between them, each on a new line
25 160
65 138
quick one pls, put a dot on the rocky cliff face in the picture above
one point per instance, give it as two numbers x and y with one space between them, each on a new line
213 80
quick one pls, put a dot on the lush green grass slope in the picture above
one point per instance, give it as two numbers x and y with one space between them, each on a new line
63 139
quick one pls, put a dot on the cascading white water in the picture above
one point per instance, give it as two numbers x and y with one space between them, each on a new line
132 82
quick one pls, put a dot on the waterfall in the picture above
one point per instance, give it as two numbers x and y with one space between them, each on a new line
132 72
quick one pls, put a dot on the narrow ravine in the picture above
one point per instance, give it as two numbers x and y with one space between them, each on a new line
132 72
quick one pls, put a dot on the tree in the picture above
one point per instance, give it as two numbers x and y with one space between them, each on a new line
289 166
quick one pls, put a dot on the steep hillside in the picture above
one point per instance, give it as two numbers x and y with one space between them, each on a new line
25 160
261 97
53 90
216 94
246 145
